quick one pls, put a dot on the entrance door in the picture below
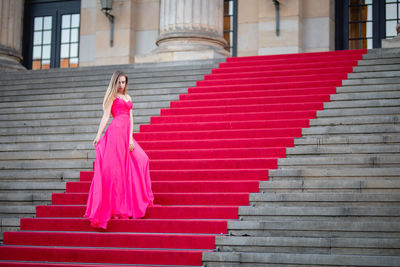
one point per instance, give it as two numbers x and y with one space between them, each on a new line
51 34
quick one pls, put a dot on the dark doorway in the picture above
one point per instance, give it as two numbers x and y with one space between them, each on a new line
230 25
51 34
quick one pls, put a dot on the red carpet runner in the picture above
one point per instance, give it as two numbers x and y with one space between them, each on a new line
208 152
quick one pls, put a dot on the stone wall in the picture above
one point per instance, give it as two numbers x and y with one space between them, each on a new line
136 26
305 26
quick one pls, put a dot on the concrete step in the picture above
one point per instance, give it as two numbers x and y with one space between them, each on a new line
83 107
325 185
47 147
44 155
8 211
97 113
324 199
41 164
348 139
353 121
368 161
170 75
363 111
25 198
87 92
376 61
46 138
32 187
371 81
363 103
367 88
334 214
144 95
214 259
366 95
373 68
349 149
378 128
63 122
49 130
315 228
81 100
42 175
315 245
108 70
9 224
65 87
67 82
374 74
333 173
382 53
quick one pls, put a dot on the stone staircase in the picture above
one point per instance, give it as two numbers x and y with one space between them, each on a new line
49 118
334 201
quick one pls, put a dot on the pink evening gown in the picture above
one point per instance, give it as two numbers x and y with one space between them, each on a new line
121 183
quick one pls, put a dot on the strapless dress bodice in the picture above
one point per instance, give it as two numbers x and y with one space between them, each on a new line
120 107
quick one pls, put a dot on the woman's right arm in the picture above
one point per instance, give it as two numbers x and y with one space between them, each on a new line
103 123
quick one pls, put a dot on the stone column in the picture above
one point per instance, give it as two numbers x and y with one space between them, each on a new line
189 30
11 20
394 42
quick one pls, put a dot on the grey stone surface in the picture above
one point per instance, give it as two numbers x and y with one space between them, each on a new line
378 61
301 199
314 228
353 89
366 95
333 201
372 81
366 138
326 185
348 112
387 67
382 53
48 119
365 160
320 245
292 259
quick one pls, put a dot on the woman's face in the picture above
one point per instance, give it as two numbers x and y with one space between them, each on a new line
121 83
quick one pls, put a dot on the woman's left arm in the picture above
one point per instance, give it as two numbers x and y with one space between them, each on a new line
131 144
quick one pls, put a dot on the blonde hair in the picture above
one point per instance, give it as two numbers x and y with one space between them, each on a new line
113 88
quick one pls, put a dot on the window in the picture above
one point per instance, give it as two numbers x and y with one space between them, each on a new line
230 25
69 55
392 10
51 34
42 31
364 23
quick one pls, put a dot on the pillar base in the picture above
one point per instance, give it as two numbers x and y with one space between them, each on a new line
179 56
10 60
391 43
184 49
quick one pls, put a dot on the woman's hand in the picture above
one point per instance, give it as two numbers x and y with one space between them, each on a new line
131 144
95 141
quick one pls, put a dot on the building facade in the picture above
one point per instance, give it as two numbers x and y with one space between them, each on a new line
41 34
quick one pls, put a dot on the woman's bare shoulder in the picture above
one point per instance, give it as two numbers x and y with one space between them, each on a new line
129 97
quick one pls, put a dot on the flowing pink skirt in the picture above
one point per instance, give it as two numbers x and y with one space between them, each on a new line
121 185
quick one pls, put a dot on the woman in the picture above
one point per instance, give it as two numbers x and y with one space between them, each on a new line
121 186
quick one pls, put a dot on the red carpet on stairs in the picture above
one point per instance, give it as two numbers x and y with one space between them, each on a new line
207 153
